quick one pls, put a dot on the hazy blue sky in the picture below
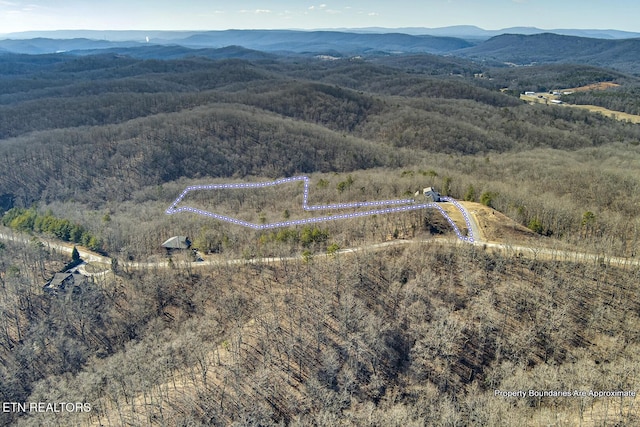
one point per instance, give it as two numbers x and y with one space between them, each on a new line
18 15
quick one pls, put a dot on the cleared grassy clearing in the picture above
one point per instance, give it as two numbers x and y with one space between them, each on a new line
609 113
548 98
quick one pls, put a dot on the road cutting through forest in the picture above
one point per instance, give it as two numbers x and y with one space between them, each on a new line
471 210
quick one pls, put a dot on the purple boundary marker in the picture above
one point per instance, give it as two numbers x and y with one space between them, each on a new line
406 205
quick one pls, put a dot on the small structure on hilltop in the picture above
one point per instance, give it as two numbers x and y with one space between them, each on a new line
430 194
62 282
177 242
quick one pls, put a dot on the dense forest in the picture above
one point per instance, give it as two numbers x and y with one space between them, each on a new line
94 148
420 336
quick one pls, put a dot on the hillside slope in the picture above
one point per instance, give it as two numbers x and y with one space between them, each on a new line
623 55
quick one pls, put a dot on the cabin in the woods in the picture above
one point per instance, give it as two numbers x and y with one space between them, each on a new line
177 242
63 282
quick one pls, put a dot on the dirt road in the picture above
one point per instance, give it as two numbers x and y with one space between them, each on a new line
87 255
525 251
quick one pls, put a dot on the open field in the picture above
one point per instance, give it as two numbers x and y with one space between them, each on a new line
593 86
631 118
547 98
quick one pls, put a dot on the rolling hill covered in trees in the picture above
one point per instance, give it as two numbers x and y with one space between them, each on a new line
421 334
155 121
553 48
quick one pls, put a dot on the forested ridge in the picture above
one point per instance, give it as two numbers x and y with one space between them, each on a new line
155 121
555 48
94 148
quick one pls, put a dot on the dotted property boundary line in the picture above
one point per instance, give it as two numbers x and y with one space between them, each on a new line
407 205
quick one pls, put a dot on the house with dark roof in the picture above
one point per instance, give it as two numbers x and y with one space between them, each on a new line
177 242
62 282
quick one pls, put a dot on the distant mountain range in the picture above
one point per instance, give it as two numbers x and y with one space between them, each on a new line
458 31
613 49
328 42
516 49
41 45
472 32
